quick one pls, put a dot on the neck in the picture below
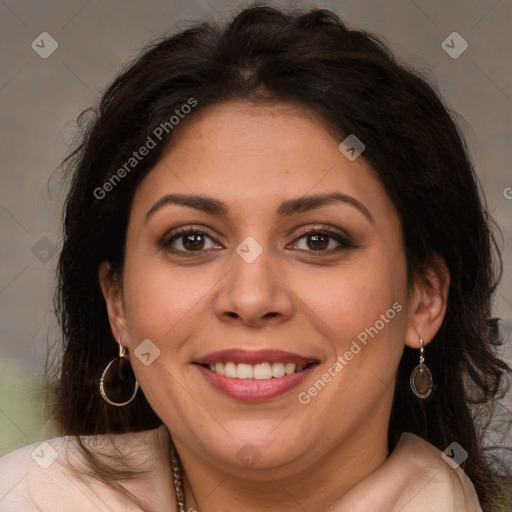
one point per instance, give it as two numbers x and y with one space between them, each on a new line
303 485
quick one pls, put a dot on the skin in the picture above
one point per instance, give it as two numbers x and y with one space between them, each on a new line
292 297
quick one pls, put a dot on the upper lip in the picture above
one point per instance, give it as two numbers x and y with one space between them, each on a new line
239 355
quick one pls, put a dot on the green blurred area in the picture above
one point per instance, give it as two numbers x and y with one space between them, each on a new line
24 407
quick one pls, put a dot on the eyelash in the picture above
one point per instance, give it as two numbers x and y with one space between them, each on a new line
165 243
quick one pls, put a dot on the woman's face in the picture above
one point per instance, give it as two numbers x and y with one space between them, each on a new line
256 246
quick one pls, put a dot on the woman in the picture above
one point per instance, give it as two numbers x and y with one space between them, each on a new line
265 224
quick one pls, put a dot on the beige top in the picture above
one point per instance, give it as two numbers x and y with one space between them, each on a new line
414 478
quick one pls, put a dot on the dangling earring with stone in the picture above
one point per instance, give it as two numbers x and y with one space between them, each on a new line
118 385
421 378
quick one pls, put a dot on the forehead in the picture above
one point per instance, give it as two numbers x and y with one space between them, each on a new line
274 132
256 154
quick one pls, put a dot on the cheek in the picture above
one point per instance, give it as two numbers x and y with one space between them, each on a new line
360 310
160 299
162 305
364 315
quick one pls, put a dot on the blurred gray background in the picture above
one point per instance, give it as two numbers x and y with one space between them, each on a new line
42 93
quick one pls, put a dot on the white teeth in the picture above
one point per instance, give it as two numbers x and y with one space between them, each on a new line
244 371
230 370
260 371
289 368
278 370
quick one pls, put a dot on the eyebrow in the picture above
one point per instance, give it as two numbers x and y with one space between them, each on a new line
288 207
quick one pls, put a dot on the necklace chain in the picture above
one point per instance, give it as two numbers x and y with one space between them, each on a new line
178 481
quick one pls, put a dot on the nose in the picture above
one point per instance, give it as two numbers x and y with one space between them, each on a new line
254 294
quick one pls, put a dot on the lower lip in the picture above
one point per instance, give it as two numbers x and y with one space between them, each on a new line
252 390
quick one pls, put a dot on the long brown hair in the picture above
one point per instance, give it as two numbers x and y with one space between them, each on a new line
352 81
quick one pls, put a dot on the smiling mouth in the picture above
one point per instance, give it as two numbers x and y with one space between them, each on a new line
260 371
255 375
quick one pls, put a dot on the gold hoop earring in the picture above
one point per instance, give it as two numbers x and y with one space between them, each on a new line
118 385
421 379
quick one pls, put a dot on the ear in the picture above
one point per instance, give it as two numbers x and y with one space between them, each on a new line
113 294
428 302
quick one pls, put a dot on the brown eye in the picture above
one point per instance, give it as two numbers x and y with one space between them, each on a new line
193 241
318 242
322 241
188 240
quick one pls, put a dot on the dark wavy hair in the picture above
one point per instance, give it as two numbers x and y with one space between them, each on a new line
351 81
